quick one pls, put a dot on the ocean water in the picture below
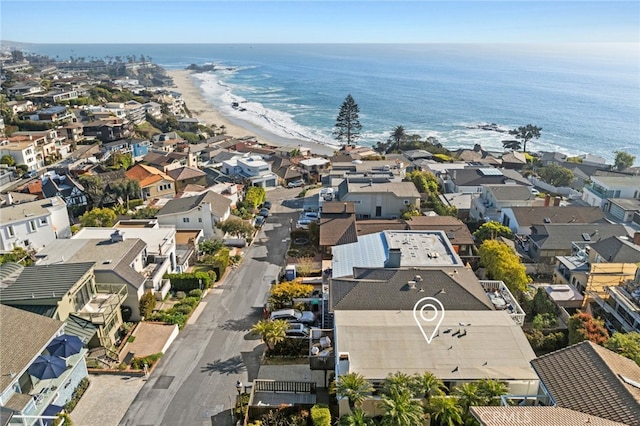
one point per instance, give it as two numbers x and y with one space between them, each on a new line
586 98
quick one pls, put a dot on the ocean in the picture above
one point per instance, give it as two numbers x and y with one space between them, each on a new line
586 98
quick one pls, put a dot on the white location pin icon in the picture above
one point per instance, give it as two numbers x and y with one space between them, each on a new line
428 312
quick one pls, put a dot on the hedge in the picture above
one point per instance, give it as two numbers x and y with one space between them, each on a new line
221 261
189 281
320 415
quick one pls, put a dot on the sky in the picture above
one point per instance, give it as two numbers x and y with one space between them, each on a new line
305 21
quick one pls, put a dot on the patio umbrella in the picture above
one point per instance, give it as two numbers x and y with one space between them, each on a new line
65 345
47 367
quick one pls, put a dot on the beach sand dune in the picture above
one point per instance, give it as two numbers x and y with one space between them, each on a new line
200 108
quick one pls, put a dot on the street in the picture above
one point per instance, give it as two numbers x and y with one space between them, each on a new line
195 382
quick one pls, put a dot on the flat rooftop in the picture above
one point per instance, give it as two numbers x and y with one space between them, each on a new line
417 249
383 342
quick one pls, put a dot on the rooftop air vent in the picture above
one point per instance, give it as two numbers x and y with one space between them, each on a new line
586 236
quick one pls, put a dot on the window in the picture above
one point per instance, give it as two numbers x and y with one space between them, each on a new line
12 232
32 226
43 221
378 211
185 220
200 219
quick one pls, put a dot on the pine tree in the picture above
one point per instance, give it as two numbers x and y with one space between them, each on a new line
347 128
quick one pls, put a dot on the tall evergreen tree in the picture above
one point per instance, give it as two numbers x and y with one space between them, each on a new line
347 128
526 133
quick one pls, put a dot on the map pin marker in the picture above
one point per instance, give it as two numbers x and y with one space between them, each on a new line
428 312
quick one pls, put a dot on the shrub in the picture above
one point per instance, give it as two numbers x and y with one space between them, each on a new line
320 415
137 202
196 292
63 418
183 309
190 301
189 281
77 394
150 360
147 304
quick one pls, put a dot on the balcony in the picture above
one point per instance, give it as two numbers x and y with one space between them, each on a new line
156 267
104 304
502 299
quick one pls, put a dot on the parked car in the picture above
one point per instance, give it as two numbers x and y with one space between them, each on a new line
267 205
303 223
30 174
296 184
264 212
294 315
259 221
299 331
312 216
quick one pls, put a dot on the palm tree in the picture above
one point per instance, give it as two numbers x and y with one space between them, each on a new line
271 332
398 135
400 381
468 396
400 409
357 418
444 411
492 390
353 386
430 385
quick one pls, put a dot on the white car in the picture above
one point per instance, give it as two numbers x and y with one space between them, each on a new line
304 223
299 331
294 315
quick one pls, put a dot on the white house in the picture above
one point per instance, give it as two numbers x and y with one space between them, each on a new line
489 205
23 151
603 187
379 198
251 167
199 212
34 224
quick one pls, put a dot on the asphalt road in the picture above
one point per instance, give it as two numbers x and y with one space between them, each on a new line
195 382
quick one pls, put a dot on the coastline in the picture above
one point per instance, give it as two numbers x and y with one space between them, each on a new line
200 108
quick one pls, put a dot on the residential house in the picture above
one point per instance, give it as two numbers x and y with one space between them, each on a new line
313 168
24 398
337 226
153 182
285 170
139 148
55 114
109 129
604 275
471 180
189 124
33 225
535 416
23 151
198 212
591 379
514 160
252 168
520 219
623 209
494 198
74 292
73 132
549 240
615 249
604 187
173 101
49 143
165 161
64 186
620 305
24 89
477 155
135 112
153 109
455 230
118 260
184 176
379 198
166 142
18 107
56 96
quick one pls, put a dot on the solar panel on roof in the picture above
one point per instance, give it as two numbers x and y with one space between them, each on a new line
490 172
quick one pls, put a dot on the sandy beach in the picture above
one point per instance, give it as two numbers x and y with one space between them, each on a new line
200 108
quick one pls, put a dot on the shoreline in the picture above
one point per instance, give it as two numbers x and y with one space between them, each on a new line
200 108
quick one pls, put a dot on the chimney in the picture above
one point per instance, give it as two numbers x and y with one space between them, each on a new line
636 238
556 201
345 207
393 260
9 199
547 200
